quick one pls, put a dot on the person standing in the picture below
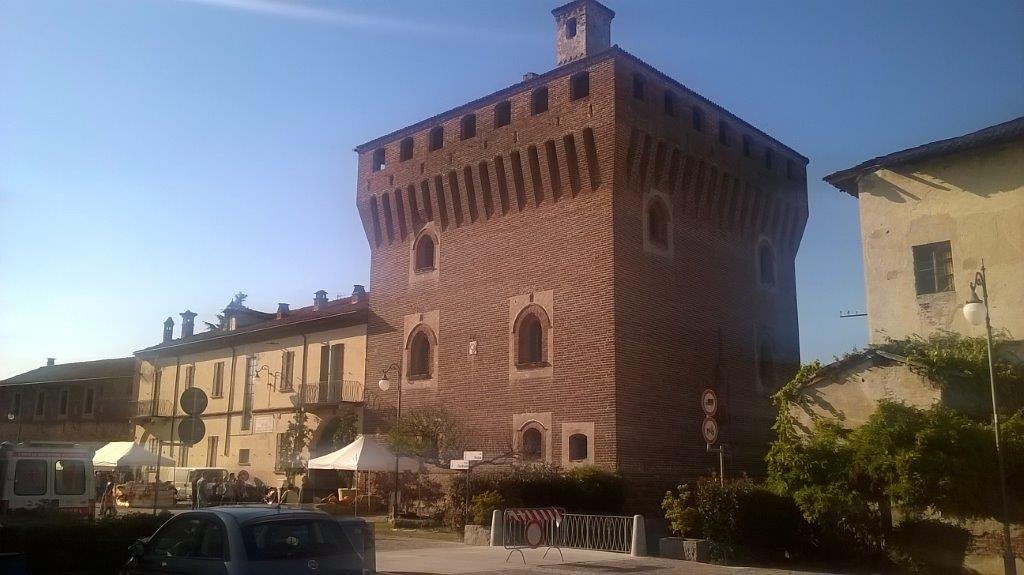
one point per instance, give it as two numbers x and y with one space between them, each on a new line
107 504
199 492
230 490
305 491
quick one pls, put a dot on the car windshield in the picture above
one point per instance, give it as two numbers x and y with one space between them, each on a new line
295 539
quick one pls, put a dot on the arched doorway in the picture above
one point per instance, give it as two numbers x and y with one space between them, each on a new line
334 432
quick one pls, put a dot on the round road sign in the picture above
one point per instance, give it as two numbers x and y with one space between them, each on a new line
243 475
709 402
709 430
193 401
191 430
534 533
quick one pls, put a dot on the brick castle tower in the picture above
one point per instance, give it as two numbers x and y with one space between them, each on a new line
565 264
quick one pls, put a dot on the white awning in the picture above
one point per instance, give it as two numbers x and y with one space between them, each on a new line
366 453
126 454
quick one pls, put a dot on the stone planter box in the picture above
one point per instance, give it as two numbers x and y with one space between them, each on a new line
477 535
700 550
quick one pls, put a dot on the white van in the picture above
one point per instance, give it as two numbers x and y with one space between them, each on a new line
46 474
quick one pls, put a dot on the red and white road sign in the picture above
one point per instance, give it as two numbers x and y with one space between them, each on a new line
709 402
709 430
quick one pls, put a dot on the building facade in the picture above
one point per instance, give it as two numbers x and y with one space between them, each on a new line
88 402
258 370
565 264
929 215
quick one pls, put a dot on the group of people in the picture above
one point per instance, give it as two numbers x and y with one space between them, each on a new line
231 490
288 494
222 491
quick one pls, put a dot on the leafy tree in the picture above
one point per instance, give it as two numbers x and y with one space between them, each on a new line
848 481
428 433
294 442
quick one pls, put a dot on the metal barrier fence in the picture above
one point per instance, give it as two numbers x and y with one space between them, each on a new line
553 528
599 532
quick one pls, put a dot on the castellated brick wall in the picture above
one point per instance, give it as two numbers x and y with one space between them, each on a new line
549 211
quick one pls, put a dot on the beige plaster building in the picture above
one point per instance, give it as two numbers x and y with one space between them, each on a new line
928 217
848 390
258 369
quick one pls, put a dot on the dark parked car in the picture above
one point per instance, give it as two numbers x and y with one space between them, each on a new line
256 540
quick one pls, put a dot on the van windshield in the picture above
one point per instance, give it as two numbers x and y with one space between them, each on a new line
69 477
295 539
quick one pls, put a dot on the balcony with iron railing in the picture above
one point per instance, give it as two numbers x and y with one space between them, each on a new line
145 408
326 393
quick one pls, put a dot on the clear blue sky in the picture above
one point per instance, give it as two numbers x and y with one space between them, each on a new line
158 155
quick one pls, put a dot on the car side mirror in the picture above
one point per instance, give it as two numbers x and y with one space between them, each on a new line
137 550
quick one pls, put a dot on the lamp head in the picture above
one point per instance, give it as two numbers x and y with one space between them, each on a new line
974 309
384 384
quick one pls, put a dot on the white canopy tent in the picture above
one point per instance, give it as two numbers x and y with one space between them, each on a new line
127 454
366 453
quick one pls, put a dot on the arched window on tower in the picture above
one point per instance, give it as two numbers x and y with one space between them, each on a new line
531 348
657 223
578 448
420 356
424 253
532 444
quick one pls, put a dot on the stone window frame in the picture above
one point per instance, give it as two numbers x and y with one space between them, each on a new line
532 311
419 333
651 246
420 275
542 423
542 303
426 323
569 429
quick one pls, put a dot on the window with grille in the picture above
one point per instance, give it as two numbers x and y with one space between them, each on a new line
65 398
532 444
577 447
933 268
243 457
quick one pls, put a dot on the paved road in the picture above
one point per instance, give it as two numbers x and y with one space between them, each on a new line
406 556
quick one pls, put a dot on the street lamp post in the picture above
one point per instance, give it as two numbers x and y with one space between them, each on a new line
385 384
976 311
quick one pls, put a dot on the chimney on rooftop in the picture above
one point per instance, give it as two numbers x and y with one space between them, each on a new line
583 28
319 300
282 310
188 323
51 361
168 329
358 293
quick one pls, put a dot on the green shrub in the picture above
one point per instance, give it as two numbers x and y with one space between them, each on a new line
928 546
684 520
580 490
483 507
742 517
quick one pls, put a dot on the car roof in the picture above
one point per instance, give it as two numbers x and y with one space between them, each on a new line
243 514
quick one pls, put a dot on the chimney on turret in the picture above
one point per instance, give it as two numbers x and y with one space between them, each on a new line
168 329
282 310
319 300
51 361
583 28
188 323
358 293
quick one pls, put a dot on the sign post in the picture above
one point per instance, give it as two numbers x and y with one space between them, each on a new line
709 429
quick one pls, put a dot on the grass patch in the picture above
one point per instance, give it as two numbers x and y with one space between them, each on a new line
382 528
